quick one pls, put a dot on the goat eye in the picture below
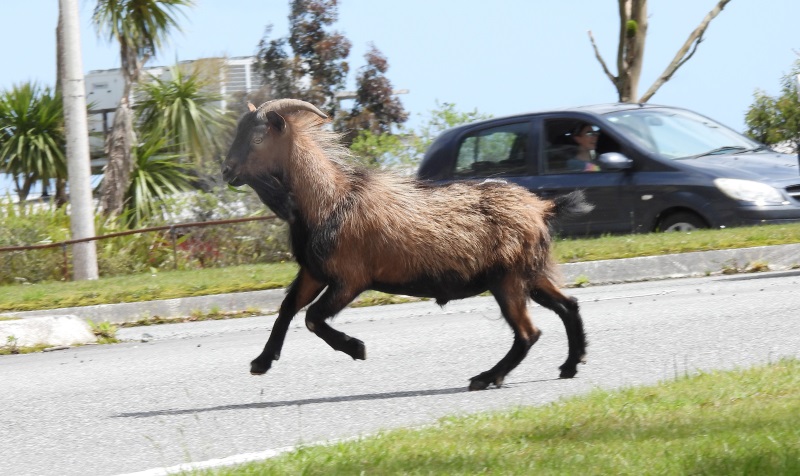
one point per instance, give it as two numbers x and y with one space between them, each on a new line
258 139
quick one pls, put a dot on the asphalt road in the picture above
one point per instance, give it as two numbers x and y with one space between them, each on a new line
186 394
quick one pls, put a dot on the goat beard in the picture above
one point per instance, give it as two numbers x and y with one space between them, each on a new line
275 195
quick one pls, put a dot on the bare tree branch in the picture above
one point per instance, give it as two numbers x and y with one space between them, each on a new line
600 59
691 53
681 56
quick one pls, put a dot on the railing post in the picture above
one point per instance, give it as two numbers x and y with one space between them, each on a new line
172 238
66 261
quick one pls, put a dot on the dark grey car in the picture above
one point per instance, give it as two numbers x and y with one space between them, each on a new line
656 167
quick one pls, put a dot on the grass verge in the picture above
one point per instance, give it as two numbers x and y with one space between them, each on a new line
11 347
173 284
145 287
732 423
652 244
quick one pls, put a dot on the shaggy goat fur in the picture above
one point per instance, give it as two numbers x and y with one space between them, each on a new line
354 229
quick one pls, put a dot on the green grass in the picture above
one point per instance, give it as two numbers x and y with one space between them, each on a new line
721 423
172 284
195 316
12 350
145 287
650 244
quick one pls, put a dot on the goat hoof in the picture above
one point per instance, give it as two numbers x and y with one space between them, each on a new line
477 384
568 371
482 381
257 368
358 350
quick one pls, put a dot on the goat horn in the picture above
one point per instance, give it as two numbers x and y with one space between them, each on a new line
286 106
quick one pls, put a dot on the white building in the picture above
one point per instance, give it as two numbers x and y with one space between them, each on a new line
104 89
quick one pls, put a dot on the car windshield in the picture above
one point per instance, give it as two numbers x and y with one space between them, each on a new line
679 134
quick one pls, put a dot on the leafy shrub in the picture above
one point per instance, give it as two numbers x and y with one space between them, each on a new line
23 225
226 245
195 247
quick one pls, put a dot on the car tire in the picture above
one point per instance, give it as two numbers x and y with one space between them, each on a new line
681 221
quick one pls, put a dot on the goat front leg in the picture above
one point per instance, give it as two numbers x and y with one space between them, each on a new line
332 301
301 292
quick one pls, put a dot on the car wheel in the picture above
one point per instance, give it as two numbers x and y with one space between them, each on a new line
681 221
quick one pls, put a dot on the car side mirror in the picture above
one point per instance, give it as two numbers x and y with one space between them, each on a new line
614 161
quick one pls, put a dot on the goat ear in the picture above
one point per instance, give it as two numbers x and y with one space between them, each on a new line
276 121
251 106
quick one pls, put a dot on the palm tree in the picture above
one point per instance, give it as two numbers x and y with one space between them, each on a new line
185 108
32 139
140 27
156 175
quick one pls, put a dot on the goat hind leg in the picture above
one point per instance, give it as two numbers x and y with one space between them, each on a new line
513 305
547 295
332 301
301 292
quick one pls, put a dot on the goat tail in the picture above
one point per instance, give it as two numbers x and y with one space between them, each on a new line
571 205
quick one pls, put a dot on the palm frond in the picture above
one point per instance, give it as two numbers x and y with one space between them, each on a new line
32 141
186 109
157 174
140 25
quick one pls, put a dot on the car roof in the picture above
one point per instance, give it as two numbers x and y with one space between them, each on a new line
596 109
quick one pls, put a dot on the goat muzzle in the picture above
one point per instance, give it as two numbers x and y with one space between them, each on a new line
230 177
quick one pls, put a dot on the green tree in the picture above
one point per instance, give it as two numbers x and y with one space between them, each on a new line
376 109
406 149
775 120
314 65
185 110
140 28
32 139
384 149
157 174
445 116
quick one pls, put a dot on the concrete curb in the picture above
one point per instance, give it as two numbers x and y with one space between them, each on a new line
53 330
777 258
682 265
266 302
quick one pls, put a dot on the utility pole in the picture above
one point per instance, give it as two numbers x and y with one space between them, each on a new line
84 255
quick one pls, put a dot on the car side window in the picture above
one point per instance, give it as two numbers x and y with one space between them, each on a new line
493 152
573 145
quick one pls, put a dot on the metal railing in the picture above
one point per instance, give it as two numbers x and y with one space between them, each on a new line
172 230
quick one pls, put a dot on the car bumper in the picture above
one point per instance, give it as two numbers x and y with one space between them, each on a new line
762 216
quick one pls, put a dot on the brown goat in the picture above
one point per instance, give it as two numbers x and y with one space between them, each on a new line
354 229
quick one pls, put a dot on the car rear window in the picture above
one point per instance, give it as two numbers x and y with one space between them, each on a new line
496 151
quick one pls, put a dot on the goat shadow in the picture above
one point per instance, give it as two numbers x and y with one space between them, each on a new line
313 401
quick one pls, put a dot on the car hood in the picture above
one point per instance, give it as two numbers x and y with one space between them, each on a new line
764 167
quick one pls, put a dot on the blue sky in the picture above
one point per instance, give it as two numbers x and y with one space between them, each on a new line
498 57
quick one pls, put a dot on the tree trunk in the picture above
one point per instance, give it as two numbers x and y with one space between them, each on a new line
24 189
61 197
630 51
84 255
117 172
